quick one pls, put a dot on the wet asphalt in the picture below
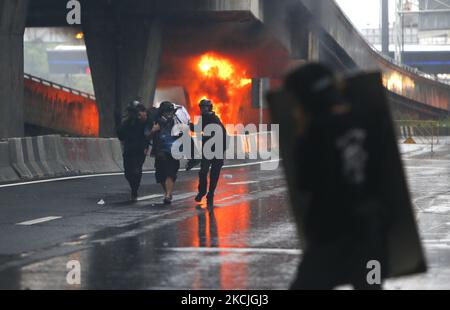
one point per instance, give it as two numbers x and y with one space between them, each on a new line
246 241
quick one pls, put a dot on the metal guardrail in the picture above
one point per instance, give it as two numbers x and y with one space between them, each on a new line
58 86
421 132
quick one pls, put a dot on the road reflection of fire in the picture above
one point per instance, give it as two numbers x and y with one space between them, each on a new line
222 80
221 228
232 225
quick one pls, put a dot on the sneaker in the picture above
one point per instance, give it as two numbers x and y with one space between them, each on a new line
199 197
192 163
167 200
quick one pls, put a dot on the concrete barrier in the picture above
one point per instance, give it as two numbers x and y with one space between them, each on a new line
100 156
76 152
55 156
7 173
252 144
40 156
29 156
240 147
117 156
116 151
52 155
62 156
90 155
16 154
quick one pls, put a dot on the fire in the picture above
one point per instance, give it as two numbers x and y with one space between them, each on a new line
215 67
223 81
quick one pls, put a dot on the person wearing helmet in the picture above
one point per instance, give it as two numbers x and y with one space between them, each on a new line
166 167
131 133
212 166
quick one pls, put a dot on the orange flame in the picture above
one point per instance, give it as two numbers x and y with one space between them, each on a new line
224 82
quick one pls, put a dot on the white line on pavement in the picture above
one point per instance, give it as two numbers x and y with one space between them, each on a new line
149 197
120 173
237 250
228 198
183 196
243 183
437 241
40 220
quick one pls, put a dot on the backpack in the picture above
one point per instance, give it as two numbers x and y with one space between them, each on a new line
165 138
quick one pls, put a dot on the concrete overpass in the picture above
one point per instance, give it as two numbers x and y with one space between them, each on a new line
132 44
434 62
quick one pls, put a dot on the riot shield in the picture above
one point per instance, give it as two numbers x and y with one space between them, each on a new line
367 97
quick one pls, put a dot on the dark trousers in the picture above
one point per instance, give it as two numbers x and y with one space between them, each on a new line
132 164
216 167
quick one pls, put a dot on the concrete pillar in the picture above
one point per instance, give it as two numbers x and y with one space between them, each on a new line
385 27
299 25
13 15
313 47
124 54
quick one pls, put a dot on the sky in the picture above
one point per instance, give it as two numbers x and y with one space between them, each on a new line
365 13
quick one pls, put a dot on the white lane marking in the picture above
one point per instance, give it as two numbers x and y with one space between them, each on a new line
237 250
63 179
243 183
121 173
228 198
150 197
437 241
183 196
40 220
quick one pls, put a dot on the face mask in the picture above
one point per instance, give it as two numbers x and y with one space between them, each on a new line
205 111
165 118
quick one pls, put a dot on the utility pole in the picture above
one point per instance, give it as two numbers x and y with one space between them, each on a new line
385 27
398 30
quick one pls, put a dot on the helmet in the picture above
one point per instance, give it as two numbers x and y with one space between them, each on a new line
166 107
136 106
314 85
205 103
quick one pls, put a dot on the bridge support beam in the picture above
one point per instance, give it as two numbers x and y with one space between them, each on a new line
124 54
12 26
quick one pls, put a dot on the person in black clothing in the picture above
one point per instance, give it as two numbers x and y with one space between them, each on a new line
166 167
345 221
214 165
135 145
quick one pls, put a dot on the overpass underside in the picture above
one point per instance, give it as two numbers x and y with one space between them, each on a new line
135 46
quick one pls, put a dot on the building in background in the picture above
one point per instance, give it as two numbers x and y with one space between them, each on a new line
421 34
58 54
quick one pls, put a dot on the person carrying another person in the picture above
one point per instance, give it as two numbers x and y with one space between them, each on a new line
162 133
134 144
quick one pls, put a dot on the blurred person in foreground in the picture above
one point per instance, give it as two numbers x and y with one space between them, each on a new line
352 215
